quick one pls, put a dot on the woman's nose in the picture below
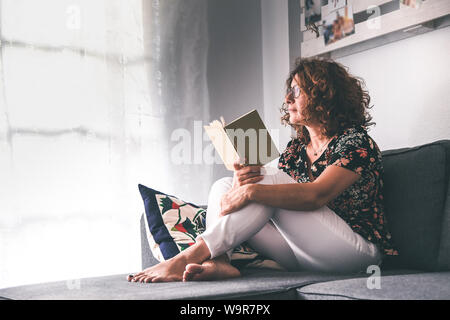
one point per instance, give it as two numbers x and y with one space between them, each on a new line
288 98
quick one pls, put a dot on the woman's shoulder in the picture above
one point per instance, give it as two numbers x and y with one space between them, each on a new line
355 137
352 133
292 150
294 145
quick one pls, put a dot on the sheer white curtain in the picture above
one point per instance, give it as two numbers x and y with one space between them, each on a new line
91 92
177 37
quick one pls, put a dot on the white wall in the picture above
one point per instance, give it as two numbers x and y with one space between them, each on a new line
234 62
275 47
409 83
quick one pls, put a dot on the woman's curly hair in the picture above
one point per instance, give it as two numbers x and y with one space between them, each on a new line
335 99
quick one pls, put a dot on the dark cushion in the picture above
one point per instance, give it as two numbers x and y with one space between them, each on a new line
172 224
415 191
422 286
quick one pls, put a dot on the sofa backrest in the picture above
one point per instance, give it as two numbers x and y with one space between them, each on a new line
417 203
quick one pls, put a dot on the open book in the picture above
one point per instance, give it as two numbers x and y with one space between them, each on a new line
244 138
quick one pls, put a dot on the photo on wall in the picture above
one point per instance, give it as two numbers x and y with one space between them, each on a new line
411 3
313 11
338 25
336 4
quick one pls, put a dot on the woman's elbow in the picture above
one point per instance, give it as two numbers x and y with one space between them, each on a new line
310 200
310 203
317 201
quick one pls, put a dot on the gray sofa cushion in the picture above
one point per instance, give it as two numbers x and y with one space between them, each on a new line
422 286
444 252
147 258
415 192
254 284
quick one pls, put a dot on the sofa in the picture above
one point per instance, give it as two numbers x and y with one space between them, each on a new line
417 199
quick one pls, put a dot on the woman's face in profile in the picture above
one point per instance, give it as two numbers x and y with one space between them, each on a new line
295 103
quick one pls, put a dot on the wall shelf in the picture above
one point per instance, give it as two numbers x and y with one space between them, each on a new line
399 23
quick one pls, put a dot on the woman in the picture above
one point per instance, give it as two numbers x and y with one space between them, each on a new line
321 211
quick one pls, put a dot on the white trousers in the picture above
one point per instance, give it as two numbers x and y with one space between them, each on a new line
298 240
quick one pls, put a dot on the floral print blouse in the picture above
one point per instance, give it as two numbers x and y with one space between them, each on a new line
361 204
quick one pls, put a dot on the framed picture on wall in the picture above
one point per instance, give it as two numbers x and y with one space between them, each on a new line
336 4
411 3
313 11
338 25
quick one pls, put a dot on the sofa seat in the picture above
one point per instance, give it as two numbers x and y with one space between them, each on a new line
253 284
420 286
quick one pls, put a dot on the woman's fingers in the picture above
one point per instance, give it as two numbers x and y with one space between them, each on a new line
224 212
247 176
254 179
237 166
249 169
235 199
242 167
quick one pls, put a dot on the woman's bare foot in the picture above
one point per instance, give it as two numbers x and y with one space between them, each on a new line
165 271
216 269
174 268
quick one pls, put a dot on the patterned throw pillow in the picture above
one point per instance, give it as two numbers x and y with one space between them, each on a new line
172 225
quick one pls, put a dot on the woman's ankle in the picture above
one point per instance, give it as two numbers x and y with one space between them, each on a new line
197 253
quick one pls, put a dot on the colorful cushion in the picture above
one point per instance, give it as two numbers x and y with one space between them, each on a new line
172 225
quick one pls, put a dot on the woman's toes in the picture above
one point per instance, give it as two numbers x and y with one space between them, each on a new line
166 279
138 278
191 271
194 268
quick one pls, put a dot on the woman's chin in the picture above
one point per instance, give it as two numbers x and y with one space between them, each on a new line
294 119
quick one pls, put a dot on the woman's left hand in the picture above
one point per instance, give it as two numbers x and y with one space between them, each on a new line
235 199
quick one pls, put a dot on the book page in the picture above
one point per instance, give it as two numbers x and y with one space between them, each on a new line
222 144
251 139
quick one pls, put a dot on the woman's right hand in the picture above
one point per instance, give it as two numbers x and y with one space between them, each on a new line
246 174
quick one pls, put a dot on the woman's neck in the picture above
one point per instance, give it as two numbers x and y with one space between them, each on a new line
316 136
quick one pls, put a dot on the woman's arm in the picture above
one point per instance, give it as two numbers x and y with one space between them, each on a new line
295 196
304 196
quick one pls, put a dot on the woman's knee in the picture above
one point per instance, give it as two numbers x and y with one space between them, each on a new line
217 190
223 184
